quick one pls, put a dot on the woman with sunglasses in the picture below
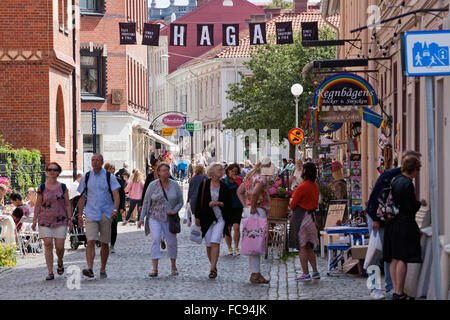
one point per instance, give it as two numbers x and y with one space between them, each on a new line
54 213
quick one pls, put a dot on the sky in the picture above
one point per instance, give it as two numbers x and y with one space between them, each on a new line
165 3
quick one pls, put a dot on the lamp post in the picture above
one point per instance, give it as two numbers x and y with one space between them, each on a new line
296 90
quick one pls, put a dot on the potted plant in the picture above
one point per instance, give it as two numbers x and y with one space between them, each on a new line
7 255
279 199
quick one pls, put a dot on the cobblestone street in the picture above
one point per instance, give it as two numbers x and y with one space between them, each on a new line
128 270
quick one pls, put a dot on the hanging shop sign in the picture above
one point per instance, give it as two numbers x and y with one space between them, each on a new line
205 35
284 32
340 116
329 127
173 120
257 33
345 89
127 32
356 183
178 35
151 35
169 131
426 53
296 136
230 35
310 31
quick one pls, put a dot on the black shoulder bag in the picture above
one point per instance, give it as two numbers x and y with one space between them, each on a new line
174 219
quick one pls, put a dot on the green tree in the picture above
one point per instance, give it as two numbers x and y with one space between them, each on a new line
264 100
280 4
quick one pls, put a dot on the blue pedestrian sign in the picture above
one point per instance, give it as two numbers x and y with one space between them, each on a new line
426 53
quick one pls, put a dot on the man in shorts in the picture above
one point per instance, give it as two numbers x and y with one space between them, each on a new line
100 210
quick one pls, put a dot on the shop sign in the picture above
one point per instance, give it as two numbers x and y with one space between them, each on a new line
193 127
340 116
173 120
169 131
345 89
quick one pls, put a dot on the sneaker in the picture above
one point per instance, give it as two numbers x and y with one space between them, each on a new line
237 252
230 252
112 249
303 277
88 273
103 275
316 275
376 294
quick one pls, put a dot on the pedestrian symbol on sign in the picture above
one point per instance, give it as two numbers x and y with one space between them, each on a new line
431 55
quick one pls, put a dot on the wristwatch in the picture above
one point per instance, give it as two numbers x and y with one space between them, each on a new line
115 210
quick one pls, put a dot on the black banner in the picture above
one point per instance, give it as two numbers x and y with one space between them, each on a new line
310 31
257 33
284 32
151 34
205 35
230 35
178 35
127 32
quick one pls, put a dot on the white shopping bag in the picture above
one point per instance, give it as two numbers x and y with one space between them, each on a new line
374 250
196 233
187 219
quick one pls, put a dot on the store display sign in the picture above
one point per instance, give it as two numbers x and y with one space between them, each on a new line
345 89
340 116
310 31
173 120
127 32
284 32
426 53
151 34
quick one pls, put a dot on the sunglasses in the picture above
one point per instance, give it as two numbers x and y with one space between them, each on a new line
52 169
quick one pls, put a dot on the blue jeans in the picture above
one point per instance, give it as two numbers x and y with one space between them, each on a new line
387 275
182 174
133 204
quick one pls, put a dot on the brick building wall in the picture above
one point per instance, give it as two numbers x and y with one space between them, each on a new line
36 62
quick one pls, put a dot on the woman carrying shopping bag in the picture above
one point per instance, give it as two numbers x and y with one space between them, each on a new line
303 234
212 213
254 196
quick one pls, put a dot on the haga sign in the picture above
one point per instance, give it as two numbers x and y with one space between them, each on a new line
345 89
173 120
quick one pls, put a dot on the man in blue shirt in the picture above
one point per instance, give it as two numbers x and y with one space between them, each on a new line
182 167
100 209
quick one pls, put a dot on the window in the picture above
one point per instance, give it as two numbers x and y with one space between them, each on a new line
91 6
88 145
93 74
59 119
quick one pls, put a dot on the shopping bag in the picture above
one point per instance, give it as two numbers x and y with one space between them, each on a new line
374 250
187 219
196 233
254 236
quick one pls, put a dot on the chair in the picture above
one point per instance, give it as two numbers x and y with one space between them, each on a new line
276 235
28 238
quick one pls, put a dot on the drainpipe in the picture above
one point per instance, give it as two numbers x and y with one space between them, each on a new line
74 94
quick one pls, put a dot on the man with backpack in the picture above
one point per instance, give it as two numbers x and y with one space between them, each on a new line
376 224
100 200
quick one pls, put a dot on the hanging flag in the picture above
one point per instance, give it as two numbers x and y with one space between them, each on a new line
178 35
257 33
127 32
230 35
151 34
310 31
284 32
372 117
205 35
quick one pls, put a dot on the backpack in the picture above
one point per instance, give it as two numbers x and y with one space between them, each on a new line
108 179
63 186
387 209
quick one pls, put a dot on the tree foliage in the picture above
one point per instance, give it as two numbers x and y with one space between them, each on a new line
264 100
280 4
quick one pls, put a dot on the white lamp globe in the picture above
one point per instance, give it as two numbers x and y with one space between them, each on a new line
297 89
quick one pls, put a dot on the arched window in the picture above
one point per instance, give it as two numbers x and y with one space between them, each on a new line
59 118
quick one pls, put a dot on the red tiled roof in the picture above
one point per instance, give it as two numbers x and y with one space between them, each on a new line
244 49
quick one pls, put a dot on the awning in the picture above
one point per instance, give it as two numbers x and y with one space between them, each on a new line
158 138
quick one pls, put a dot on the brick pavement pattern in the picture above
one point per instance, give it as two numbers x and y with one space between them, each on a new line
128 270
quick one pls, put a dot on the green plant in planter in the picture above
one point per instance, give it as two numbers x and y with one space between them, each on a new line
326 193
7 255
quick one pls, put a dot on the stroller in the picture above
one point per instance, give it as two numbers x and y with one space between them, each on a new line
77 235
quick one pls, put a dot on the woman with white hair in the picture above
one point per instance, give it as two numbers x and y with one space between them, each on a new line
254 196
212 213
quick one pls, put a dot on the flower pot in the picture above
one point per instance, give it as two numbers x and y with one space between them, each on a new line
278 207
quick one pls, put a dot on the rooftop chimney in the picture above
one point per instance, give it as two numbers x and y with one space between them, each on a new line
300 5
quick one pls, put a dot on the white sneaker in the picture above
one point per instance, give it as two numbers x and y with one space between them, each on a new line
112 249
376 294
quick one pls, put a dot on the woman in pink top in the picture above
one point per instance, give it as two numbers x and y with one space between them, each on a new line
135 188
54 213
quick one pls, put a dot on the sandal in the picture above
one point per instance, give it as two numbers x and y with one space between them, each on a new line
259 279
153 274
51 276
60 269
213 274
174 272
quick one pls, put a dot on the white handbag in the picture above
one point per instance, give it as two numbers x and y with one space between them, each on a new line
196 233
187 219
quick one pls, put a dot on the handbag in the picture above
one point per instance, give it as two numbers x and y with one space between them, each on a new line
187 219
196 233
374 250
174 219
254 236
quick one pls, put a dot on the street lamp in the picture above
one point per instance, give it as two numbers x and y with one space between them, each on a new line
296 90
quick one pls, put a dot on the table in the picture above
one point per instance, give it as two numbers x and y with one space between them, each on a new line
342 247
